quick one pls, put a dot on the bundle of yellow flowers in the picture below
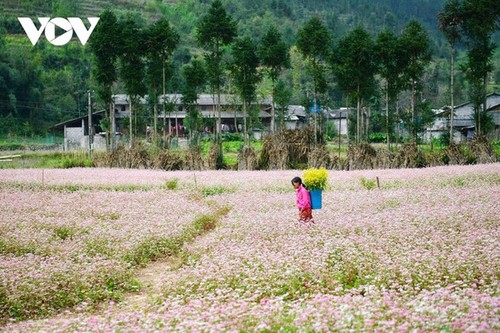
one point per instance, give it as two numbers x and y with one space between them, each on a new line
315 179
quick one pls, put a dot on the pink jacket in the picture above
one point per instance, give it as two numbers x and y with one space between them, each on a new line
303 198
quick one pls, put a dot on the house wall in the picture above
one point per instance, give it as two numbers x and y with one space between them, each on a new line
463 121
291 124
343 125
73 138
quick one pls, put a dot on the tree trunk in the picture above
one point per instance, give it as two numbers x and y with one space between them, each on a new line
452 91
358 117
130 125
315 119
412 105
485 105
164 109
387 114
367 128
176 125
219 122
112 126
91 127
245 132
272 107
235 122
397 122
155 115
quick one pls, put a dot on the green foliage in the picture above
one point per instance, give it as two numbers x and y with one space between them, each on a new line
345 270
172 184
245 75
76 161
273 53
231 139
152 249
368 184
378 137
315 179
216 190
194 75
158 247
63 232
12 246
204 223
105 45
313 40
354 64
496 148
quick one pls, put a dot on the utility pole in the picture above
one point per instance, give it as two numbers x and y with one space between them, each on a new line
91 132
340 128
113 125
131 136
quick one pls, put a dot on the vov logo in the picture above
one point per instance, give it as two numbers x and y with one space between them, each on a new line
49 25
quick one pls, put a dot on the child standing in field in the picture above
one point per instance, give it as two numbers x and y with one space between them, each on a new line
303 201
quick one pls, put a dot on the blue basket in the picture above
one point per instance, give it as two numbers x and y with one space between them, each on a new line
316 199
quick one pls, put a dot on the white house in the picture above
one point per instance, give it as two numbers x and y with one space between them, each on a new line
76 130
464 126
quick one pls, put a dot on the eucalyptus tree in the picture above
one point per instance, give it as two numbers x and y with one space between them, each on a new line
314 43
450 19
245 75
353 63
194 75
132 69
416 55
387 54
481 19
105 44
8 83
274 56
282 100
161 39
215 31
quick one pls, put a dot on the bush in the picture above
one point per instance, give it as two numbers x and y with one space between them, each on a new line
377 137
171 184
215 190
444 140
12 146
369 184
231 137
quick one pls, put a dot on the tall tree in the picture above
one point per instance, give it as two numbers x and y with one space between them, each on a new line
450 19
245 74
274 56
160 42
387 54
415 44
481 18
283 97
194 79
8 82
216 30
314 43
132 64
353 63
105 44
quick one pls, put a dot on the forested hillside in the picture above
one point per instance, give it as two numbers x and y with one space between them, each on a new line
42 85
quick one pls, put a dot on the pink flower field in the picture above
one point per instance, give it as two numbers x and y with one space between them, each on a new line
418 254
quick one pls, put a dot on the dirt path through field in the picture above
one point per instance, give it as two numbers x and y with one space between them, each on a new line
151 278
